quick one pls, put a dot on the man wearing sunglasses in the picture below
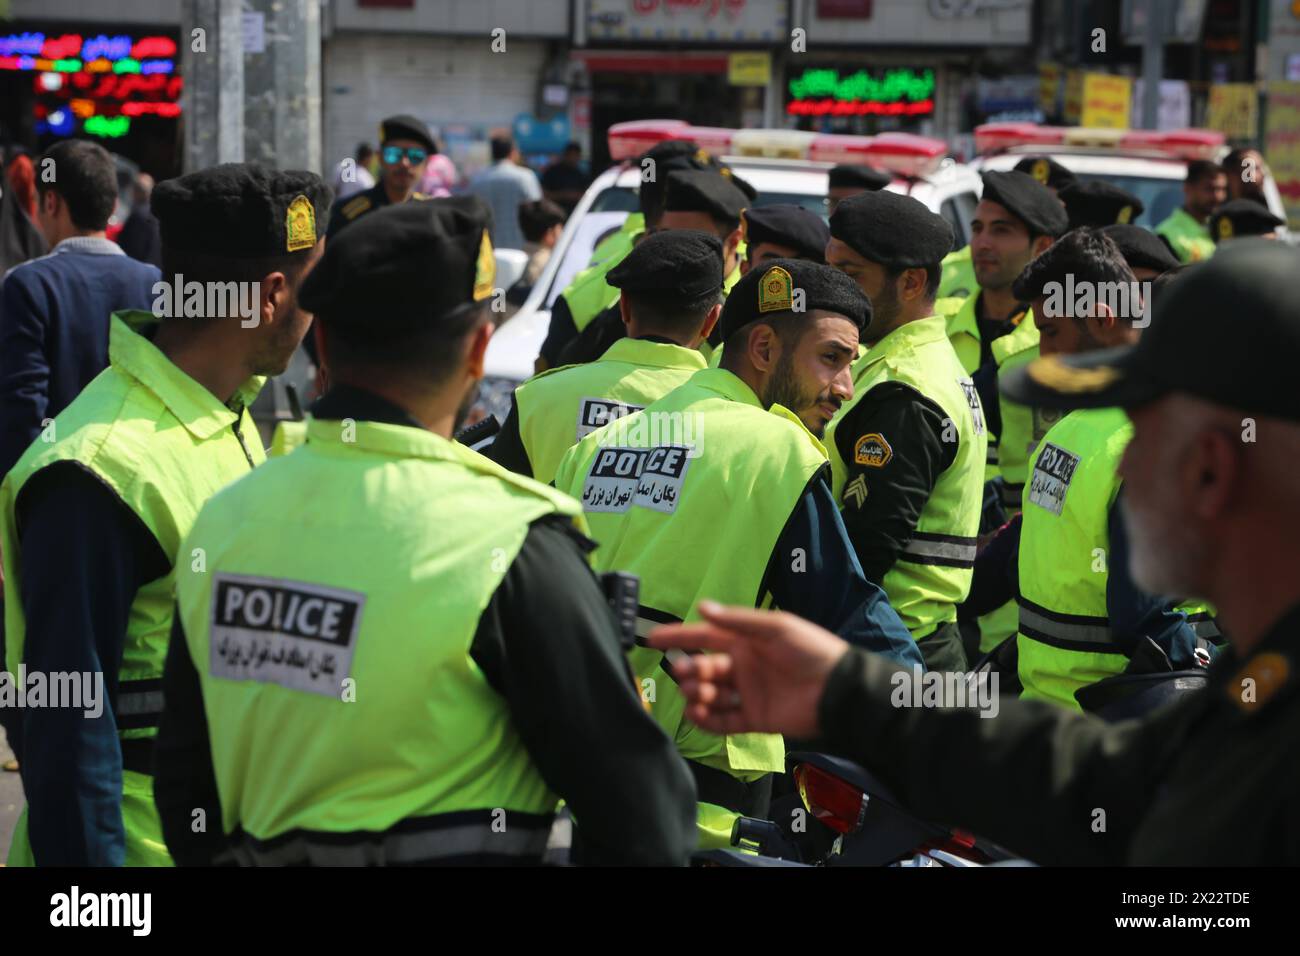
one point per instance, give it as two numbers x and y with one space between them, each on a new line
405 147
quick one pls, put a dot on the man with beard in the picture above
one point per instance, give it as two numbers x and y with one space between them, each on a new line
388 677
1204 189
91 523
1213 508
718 491
907 451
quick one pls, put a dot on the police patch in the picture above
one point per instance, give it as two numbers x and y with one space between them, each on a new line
647 477
1041 171
973 400
872 451
291 633
300 225
486 269
1125 214
1053 469
776 291
595 412
1225 228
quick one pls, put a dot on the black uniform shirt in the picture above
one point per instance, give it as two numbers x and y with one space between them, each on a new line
1212 779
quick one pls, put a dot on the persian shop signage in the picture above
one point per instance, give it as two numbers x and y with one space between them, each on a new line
892 92
661 21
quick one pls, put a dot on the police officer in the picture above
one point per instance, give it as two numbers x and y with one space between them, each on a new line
1237 218
1082 619
851 179
588 294
907 451
1099 204
718 492
1017 219
405 145
1207 781
782 231
671 286
1145 252
91 522
958 281
389 676
1204 189
701 199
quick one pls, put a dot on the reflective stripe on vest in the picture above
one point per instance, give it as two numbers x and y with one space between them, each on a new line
468 836
1071 632
947 550
933 573
139 703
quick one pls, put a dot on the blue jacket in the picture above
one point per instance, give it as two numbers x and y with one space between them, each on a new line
54 316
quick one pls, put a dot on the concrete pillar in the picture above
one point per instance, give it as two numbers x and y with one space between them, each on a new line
282 102
212 101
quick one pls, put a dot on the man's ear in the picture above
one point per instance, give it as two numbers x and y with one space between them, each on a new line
272 294
913 281
764 350
731 243
710 321
1104 317
1040 245
624 309
478 343
50 203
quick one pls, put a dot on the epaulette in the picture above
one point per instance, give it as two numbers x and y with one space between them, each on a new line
355 207
419 195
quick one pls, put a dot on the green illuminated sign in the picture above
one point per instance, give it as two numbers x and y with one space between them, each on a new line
893 87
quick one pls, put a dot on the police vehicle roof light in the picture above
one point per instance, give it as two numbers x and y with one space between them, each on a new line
1176 144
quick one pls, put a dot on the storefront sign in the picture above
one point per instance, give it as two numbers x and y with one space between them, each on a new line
95 85
1282 145
749 69
1049 87
1073 108
1233 110
897 92
709 21
1106 101
1175 109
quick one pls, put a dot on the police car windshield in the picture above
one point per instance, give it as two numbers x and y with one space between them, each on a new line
1160 196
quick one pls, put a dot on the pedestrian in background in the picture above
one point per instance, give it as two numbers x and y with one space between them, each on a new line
505 186
564 181
54 311
139 237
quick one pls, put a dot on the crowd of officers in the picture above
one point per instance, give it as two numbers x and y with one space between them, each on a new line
384 647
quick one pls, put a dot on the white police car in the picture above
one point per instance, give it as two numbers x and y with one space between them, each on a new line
784 166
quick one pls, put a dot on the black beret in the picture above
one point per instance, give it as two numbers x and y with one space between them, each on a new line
743 185
770 289
789 225
894 230
848 176
704 190
1098 204
1242 217
1142 248
242 211
404 265
406 127
675 263
1047 171
1028 200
